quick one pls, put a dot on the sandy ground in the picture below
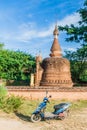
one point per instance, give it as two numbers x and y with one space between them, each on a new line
75 121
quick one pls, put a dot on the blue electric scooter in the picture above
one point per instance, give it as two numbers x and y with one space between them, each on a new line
60 111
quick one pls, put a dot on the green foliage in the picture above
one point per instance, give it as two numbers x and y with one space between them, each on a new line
78 33
9 104
16 65
12 103
3 94
78 60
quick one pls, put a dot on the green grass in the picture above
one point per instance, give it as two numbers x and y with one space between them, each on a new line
80 104
30 105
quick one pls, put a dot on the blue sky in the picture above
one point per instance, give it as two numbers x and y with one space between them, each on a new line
27 25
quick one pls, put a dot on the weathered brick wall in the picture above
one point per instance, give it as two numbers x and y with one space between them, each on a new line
55 95
69 94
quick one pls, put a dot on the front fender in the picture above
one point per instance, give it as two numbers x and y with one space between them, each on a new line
36 112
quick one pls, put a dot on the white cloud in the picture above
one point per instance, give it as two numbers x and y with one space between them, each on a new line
29 31
70 19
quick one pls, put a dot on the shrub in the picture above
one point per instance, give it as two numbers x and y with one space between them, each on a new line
12 103
9 104
3 94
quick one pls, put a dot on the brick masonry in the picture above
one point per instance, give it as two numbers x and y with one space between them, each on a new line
75 93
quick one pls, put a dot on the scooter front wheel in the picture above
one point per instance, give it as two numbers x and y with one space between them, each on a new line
35 118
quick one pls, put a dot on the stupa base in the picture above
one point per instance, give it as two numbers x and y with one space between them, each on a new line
54 85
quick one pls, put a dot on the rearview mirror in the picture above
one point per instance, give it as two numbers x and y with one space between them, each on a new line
50 96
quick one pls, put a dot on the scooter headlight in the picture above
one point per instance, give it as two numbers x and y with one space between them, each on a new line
45 99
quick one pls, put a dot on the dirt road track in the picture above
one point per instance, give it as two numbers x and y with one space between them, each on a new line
76 121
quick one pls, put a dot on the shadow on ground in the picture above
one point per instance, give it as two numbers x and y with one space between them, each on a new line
23 117
28 118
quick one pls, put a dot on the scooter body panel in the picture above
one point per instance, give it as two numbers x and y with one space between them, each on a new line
40 107
61 108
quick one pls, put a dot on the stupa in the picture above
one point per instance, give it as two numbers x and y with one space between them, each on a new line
56 69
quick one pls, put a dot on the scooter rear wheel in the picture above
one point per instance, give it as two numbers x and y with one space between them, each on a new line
35 118
65 114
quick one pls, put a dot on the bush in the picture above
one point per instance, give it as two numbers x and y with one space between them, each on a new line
9 104
3 94
12 103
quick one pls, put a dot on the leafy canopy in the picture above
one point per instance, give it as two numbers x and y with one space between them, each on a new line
16 65
78 34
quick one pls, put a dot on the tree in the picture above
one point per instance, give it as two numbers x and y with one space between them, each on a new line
16 65
78 34
78 60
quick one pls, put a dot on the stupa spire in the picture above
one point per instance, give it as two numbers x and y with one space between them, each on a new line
56 49
55 32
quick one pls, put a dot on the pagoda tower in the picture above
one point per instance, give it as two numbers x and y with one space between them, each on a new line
56 69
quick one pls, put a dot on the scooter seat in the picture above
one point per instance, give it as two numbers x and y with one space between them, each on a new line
61 105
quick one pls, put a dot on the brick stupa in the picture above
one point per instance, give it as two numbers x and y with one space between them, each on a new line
56 69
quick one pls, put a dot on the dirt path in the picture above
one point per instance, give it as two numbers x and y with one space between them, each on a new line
76 121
